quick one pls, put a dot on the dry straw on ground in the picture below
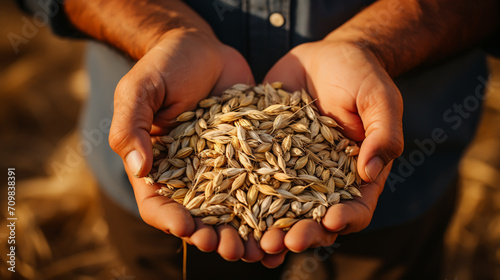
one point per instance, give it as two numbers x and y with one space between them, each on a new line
256 158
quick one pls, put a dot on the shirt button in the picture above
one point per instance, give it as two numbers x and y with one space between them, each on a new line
277 20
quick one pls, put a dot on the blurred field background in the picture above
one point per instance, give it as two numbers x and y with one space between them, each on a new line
60 231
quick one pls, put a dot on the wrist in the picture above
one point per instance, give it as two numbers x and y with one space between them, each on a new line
355 50
357 44
198 37
134 29
179 27
190 41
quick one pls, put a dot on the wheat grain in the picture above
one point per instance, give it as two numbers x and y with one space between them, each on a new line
256 158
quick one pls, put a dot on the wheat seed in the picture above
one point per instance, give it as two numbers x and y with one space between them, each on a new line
256 158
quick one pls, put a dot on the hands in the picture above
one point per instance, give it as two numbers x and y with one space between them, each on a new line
181 69
347 80
350 85
180 61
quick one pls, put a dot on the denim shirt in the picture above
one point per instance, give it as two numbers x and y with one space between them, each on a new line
442 103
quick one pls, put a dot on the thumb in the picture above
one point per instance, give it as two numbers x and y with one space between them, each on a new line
288 70
381 111
129 135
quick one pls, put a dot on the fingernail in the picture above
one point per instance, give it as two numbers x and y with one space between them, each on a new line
340 229
374 167
134 162
172 122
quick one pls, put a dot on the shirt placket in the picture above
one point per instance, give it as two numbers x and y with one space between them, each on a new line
268 33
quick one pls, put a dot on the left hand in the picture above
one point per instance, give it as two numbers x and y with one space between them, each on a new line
183 68
351 86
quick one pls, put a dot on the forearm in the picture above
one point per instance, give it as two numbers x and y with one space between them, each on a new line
406 34
133 26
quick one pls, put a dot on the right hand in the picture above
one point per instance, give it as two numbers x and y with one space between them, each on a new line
351 86
180 70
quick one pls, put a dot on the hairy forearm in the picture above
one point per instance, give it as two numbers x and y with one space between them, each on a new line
404 34
133 26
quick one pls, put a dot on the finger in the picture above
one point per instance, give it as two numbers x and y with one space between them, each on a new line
355 215
347 217
166 118
381 110
273 241
135 102
273 261
288 70
308 234
253 252
230 245
204 237
235 70
161 212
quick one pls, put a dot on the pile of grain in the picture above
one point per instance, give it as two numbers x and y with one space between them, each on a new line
256 158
